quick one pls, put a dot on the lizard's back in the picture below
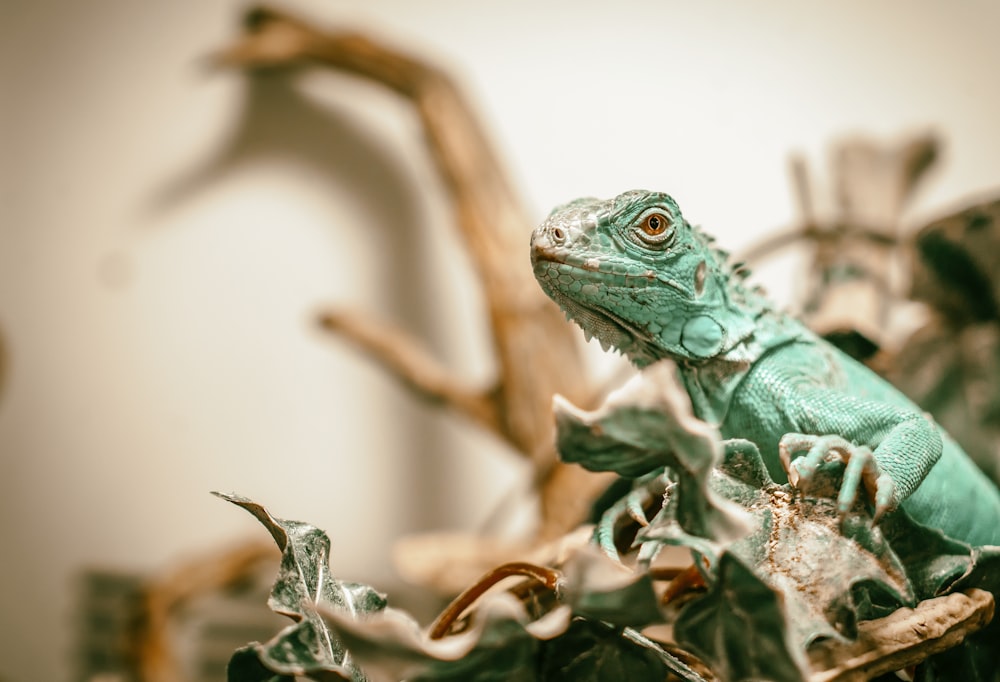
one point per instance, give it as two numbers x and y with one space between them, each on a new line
808 386
956 496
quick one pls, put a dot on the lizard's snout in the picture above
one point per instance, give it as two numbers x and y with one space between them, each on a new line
548 236
556 234
546 242
543 242
552 237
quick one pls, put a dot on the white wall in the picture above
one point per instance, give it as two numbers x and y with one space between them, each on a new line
162 255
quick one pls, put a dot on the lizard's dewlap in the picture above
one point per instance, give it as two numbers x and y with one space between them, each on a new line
597 322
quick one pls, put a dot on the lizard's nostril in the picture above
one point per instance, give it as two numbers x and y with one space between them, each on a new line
558 235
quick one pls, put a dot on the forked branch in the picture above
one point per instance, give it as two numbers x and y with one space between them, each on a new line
403 357
536 351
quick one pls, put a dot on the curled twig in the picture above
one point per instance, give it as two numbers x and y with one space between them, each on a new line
548 577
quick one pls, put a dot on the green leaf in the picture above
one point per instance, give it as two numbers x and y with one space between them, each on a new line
830 571
645 425
593 650
612 443
739 628
933 561
501 644
245 666
599 588
304 585
978 657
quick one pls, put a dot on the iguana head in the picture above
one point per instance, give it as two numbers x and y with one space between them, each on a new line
633 273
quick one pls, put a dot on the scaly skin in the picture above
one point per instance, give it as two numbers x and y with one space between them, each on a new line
635 275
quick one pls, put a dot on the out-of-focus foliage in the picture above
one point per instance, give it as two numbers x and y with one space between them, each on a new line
951 366
303 586
788 580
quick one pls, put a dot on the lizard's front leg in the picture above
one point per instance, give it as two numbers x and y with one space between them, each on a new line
883 448
631 507
860 467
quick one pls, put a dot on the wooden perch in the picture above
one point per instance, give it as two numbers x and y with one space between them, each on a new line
402 356
536 350
4 362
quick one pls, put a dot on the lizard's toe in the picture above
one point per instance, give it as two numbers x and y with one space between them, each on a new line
817 449
885 496
631 507
790 444
861 468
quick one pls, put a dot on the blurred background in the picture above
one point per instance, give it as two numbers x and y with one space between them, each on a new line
169 231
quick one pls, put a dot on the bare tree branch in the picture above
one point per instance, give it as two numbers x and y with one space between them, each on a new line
403 357
536 350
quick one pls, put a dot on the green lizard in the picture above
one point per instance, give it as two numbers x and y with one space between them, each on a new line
632 272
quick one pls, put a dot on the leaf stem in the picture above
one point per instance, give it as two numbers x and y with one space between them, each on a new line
686 581
548 577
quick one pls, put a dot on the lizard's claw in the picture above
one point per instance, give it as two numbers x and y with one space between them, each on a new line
630 507
860 468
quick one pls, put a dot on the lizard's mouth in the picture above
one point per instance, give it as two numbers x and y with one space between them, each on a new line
542 255
548 264
542 258
609 329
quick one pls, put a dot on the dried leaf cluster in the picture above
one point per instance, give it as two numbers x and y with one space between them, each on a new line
780 586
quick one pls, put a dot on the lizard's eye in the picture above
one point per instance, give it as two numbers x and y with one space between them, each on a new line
654 230
655 224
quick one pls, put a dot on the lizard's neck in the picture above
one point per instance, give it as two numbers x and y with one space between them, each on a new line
712 383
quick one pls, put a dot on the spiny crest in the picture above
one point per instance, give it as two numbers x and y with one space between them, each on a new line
735 273
627 200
